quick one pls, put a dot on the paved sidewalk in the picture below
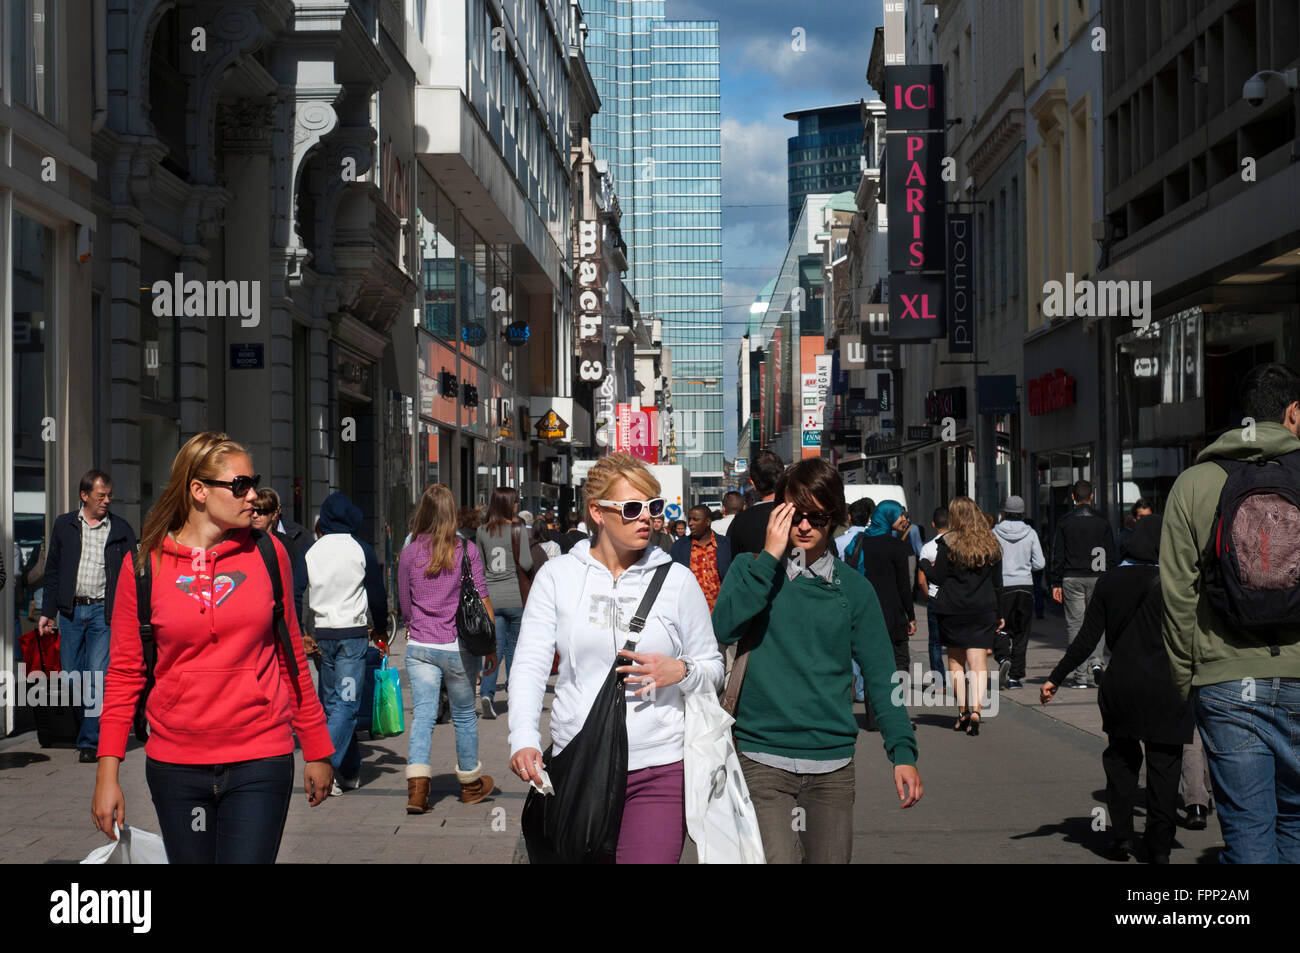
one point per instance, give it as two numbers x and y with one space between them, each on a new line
1025 791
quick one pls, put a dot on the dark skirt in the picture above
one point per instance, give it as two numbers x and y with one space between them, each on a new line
967 631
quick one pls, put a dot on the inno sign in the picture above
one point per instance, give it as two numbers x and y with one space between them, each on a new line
1051 392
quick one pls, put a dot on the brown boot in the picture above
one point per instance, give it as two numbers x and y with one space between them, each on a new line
417 788
474 785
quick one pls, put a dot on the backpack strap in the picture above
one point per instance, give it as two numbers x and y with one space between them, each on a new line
148 646
266 547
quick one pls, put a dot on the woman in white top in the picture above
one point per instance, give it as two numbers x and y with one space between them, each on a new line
580 607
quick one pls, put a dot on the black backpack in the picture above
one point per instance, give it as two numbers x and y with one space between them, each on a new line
144 611
1250 569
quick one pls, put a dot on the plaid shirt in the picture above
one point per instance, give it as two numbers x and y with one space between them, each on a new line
704 566
91 578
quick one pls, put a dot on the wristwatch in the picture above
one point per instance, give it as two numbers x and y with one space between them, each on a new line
690 667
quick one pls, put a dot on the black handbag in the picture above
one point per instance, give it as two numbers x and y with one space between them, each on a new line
579 824
473 626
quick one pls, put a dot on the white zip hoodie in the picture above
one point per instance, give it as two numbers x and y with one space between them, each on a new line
576 608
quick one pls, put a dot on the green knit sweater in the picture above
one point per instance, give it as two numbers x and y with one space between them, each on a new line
797 697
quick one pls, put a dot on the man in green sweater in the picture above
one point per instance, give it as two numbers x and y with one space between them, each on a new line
1247 692
806 617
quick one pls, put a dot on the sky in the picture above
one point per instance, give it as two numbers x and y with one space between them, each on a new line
764 77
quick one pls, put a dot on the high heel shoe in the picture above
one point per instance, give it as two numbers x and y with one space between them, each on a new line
963 720
973 724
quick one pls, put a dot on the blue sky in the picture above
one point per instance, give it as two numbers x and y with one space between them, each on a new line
763 77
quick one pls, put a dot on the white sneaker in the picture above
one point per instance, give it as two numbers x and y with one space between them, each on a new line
336 791
485 706
350 784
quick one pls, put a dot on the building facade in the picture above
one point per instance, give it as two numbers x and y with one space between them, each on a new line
1201 196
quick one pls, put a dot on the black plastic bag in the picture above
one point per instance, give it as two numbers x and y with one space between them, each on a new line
579 823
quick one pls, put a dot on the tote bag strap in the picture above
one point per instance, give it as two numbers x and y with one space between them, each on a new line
647 603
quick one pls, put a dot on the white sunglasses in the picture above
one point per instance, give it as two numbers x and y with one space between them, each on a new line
632 508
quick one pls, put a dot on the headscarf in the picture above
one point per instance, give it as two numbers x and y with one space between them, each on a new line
1143 544
884 518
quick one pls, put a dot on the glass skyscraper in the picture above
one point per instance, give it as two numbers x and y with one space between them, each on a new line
824 156
660 129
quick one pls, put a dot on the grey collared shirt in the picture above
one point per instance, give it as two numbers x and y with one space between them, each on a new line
823 567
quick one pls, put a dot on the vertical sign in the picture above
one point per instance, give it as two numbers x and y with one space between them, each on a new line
961 284
811 412
915 200
914 98
895 32
591 303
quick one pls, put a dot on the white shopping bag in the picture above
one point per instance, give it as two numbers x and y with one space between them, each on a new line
719 815
133 846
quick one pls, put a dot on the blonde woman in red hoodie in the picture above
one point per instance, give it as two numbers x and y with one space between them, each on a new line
224 710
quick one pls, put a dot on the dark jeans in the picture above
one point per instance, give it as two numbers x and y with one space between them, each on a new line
1251 730
342 670
1016 607
1040 594
83 651
221 813
935 647
1122 760
802 818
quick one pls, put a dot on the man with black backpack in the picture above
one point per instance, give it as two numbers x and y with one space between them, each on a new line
1228 556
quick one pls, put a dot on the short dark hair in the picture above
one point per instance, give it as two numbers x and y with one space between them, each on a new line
701 508
1082 491
267 499
89 478
860 511
1268 390
940 517
764 472
814 479
1142 504
732 502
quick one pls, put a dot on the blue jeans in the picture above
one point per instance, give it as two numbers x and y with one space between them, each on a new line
508 621
1251 730
935 646
426 666
342 667
221 813
83 649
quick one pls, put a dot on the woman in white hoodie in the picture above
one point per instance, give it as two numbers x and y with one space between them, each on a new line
580 606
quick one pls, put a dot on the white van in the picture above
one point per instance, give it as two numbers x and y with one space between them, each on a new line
877 492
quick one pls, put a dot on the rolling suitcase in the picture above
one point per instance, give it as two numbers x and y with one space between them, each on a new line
57 721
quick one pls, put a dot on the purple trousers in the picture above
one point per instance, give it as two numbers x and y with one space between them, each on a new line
654 816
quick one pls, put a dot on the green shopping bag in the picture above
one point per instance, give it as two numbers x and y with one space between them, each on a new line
387 718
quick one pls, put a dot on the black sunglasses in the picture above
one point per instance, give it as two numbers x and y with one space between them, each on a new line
265 512
239 486
817 520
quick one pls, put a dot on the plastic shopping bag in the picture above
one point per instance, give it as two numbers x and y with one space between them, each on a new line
387 718
719 814
133 846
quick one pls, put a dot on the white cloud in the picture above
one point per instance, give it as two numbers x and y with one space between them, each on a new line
754 162
823 57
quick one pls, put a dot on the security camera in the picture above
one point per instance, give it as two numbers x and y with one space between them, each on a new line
1255 91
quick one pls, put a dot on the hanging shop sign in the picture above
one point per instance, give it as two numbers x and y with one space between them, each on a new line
551 426
920 433
474 334
946 402
914 97
517 333
996 393
915 197
961 283
916 308
1050 392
